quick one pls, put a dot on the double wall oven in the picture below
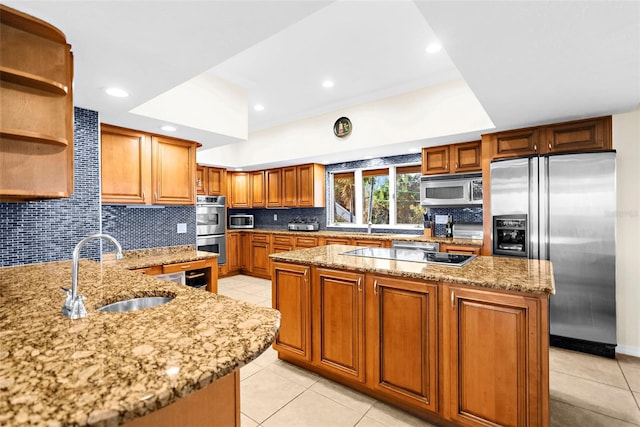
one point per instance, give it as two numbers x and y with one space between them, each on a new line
211 225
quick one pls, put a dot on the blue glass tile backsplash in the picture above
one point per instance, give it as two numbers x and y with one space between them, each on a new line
48 230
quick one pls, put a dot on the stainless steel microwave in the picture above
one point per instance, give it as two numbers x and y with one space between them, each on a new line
451 190
241 221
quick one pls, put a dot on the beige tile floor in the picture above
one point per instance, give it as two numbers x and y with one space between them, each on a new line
585 390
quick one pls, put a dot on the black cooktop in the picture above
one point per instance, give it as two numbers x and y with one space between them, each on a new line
413 255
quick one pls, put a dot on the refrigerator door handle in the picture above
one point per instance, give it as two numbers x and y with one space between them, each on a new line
544 210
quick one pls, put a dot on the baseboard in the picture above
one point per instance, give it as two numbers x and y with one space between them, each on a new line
628 350
596 348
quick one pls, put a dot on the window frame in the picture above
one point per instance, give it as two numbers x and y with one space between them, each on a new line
359 174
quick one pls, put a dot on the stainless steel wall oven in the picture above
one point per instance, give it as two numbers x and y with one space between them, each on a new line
211 225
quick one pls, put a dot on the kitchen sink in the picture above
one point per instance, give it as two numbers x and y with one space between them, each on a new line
134 304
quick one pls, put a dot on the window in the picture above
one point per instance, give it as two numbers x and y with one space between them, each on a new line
391 194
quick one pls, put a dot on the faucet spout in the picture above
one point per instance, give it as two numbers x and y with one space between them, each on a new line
74 306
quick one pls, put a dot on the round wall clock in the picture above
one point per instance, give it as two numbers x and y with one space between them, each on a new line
342 127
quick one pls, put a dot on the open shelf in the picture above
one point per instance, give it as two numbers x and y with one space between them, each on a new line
33 81
26 135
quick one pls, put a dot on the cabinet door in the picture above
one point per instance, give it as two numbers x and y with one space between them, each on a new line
233 252
435 160
311 185
273 179
240 190
289 187
281 243
404 337
582 135
305 242
495 363
517 143
466 157
459 249
260 256
336 241
245 252
258 196
291 296
125 166
216 181
173 171
201 180
338 322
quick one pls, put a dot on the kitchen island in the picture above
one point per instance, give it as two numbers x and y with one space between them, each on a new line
111 368
457 346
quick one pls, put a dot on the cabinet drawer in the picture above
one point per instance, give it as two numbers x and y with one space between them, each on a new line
185 266
282 240
260 238
306 242
150 271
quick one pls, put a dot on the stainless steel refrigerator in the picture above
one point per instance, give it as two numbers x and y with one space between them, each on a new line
569 202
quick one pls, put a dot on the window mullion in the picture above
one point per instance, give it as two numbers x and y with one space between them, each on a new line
392 196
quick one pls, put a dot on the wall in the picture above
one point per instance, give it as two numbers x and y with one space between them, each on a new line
48 230
435 112
626 141
144 227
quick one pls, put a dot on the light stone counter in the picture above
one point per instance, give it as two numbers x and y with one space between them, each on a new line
142 258
511 274
367 236
109 368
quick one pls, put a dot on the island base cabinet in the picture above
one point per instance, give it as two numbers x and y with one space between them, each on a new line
404 334
216 405
498 364
338 322
291 296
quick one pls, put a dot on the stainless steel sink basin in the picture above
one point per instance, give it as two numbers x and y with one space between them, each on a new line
134 304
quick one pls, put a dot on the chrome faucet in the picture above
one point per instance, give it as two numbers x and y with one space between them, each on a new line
73 307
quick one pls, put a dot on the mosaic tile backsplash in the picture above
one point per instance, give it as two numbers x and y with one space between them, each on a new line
142 227
48 230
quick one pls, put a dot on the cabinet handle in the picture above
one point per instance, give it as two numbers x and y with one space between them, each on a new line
156 196
185 267
446 167
453 300
549 146
375 287
359 284
456 165
144 196
535 148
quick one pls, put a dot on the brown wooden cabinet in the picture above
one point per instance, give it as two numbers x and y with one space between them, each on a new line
233 253
311 185
245 252
575 136
273 183
36 109
301 242
497 347
239 190
292 297
138 168
290 187
336 241
258 196
281 243
338 322
216 181
173 168
202 180
260 250
403 337
372 243
460 249
454 158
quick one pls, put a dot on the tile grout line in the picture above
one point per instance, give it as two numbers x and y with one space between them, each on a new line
629 385
594 381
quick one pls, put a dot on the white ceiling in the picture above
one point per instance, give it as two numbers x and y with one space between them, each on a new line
527 62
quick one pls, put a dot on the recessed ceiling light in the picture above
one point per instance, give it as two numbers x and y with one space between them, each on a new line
117 92
327 84
168 128
258 107
434 47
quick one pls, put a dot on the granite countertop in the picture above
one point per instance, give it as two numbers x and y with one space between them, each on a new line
368 236
143 258
109 368
512 274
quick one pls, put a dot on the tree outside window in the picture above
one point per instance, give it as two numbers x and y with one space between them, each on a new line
378 181
408 209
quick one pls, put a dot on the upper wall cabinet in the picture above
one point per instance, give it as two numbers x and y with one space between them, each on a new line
454 158
139 168
210 181
239 189
36 105
575 136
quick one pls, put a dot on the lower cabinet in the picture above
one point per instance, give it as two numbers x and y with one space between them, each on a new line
337 306
291 296
498 358
259 257
404 336
460 249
